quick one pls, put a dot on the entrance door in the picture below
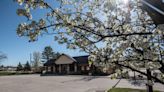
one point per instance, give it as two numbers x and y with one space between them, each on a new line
64 69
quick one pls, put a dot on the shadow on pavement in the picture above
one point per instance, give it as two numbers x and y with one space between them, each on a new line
86 78
136 82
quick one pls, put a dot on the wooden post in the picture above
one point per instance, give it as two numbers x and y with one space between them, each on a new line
54 69
59 68
68 69
75 68
49 68
90 70
46 68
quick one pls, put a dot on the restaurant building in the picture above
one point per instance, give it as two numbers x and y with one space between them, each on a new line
66 64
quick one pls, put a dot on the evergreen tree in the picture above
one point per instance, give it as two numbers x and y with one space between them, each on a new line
27 67
47 53
19 67
56 55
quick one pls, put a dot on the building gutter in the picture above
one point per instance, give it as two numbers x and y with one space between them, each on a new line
151 6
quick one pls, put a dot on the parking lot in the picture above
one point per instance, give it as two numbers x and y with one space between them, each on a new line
37 83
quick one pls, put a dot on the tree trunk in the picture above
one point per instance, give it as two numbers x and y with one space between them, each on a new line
149 86
134 75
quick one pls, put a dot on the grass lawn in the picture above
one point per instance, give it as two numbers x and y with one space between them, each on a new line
3 73
127 90
7 73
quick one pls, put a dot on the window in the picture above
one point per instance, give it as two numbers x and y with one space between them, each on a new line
82 68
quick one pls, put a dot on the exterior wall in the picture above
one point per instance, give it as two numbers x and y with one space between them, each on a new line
49 68
67 65
68 69
83 68
62 69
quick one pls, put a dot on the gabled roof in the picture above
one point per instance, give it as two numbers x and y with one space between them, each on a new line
81 59
68 57
64 59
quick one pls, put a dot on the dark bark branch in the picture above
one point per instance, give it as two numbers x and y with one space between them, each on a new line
102 36
92 30
129 34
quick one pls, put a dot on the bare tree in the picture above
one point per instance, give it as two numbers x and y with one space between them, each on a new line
2 56
36 60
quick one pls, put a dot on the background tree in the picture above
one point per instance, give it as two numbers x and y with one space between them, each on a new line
19 67
36 60
2 56
27 66
56 55
111 31
48 53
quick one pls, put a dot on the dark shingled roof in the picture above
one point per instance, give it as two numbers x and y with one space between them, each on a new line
50 62
81 59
